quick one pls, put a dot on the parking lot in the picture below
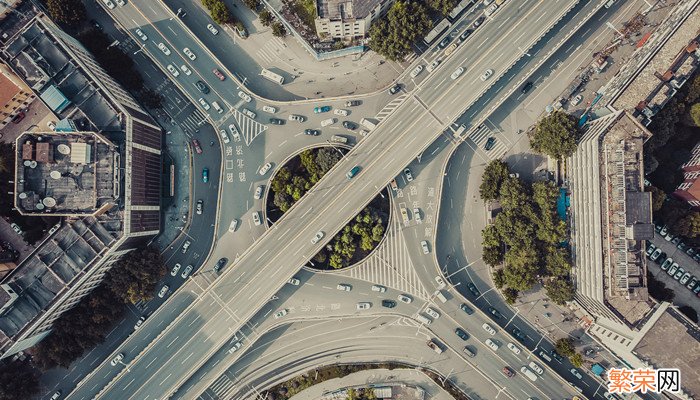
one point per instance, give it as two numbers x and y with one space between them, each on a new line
674 260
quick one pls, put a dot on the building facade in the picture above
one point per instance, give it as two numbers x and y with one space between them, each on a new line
113 159
689 189
348 19
15 95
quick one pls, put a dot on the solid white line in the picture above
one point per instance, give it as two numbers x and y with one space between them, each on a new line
188 357
171 343
166 378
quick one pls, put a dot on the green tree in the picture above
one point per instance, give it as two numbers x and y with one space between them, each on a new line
689 225
521 269
135 276
499 279
265 17
557 262
556 135
576 360
490 236
278 29
695 113
560 290
252 4
658 197
493 255
66 12
393 35
513 194
442 6
510 295
220 13
495 173
565 347
18 380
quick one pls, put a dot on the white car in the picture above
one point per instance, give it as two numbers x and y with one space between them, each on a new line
52 126
405 298
235 347
233 226
120 3
491 344
515 349
364 305
186 246
344 287
249 113
173 70
298 118
109 4
433 65
234 132
186 70
164 48
318 236
577 100
187 271
16 228
417 216
492 9
575 372
340 111
424 246
432 312
441 282
224 136
327 122
258 193
535 367
212 29
457 73
281 313
245 96
163 291
269 109
266 167
378 288
489 329
189 53
139 322
256 218
140 34
176 267
294 281
204 104
417 70
117 359
486 75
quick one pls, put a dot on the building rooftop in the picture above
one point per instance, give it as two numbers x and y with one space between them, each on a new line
65 173
345 9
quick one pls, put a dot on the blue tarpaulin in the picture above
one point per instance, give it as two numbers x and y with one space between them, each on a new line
55 99
597 369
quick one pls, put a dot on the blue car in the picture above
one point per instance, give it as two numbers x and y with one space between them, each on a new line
205 175
318 110
353 172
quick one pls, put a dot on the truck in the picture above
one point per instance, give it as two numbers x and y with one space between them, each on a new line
368 123
339 139
440 296
432 343
526 371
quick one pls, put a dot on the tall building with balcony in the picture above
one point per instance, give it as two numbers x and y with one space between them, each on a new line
101 172
348 19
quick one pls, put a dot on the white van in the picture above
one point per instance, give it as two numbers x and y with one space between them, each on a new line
329 121
217 107
545 356
368 124
609 4
423 319
339 139
440 296
526 371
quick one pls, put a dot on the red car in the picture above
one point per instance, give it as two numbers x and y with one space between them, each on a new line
508 372
196 145
219 74
17 118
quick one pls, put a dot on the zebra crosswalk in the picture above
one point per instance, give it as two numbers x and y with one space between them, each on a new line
248 127
194 120
389 108
222 387
480 138
271 50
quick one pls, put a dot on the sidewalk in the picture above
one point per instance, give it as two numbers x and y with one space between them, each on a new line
418 385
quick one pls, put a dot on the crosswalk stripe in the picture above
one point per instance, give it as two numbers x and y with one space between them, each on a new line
479 138
249 128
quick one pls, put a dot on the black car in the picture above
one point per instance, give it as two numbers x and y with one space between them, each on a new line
479 21
461 333
276 121
388 303
557 356
349 125
202 87
490 142
444 42
526 88
465 35
394 89
472 288
352 103
220 264
312 132
466 309
518 334
495 313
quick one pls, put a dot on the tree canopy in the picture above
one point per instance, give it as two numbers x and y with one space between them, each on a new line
66 12
442 6
495 173
18 380
556 135
689 225
278 29
393 35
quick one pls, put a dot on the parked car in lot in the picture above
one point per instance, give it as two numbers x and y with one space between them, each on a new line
432 312
249 113
672 269
667 263
187 271
322 109
163 291
405 298
679 274
684 279
388 303
462 334
297 118
269 109
256 218
655 255
176 268
692 282
417 70
465 35
220 264
16 228
352 103
244 96
276 121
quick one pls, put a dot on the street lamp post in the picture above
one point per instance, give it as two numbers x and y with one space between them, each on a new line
336 149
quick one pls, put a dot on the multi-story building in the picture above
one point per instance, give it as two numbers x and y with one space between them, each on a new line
103 177
348 19
15 95
689 189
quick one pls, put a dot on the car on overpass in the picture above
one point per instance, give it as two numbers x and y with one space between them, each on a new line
353 171
205 175
218 74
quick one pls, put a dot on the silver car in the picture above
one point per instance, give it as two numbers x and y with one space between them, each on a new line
486 75
187 271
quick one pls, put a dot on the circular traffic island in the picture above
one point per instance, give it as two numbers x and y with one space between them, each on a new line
358 238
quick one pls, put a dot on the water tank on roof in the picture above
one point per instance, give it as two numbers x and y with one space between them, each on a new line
49 202
23 195
55 175
63 149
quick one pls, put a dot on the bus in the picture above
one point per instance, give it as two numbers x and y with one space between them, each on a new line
461 7
439 29
267 74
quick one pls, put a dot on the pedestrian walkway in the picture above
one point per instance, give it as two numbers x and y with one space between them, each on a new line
192 122
271 51
479 138
248 127
389 108
390 265
223 387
